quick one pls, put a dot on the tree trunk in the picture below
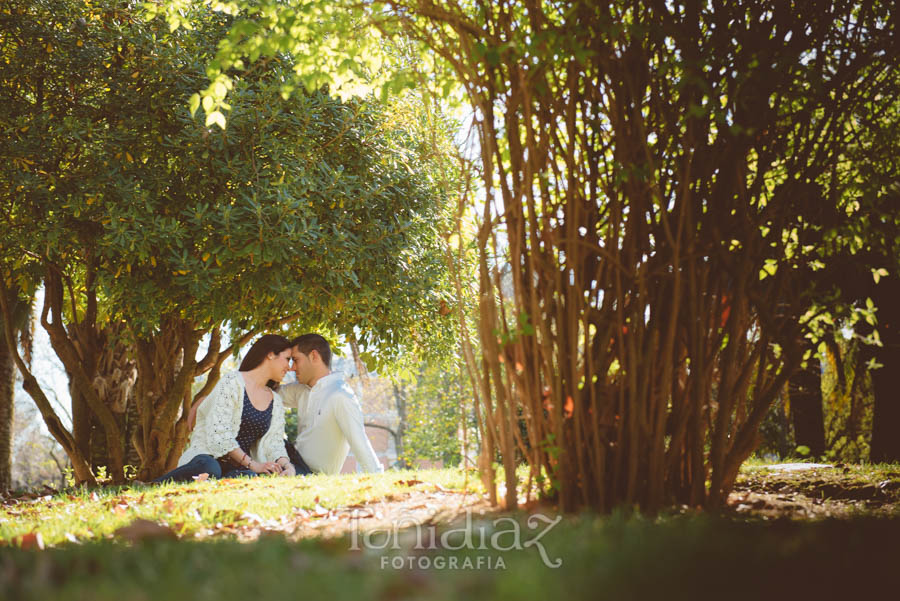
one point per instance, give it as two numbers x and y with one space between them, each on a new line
805 393
400 399
886 379
886 418
113 379
81 421
166 368
361 370
7 396
165 371
31 386
132 423
79 348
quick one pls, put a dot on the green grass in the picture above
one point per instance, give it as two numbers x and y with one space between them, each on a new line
613 558
84 514
876 481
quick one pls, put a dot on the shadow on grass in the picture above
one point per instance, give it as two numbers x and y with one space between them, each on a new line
602 558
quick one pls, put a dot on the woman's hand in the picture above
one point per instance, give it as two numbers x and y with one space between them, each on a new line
289 470
269 467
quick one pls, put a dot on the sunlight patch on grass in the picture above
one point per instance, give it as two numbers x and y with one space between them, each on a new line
82 514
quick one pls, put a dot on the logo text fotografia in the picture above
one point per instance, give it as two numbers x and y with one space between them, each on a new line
486 543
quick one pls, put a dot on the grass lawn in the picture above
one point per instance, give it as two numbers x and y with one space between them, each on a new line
218 506
197 552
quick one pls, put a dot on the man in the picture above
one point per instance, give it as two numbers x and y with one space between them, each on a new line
329 417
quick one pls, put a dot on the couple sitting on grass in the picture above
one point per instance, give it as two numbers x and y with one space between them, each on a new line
240 426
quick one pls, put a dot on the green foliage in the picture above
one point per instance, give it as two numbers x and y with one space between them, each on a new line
316 34
776 433
160 226
704 153
302 205
291 425
438 406
848 407
349 47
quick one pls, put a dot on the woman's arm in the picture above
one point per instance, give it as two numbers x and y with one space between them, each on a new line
245 461
273 439
216 416
192 414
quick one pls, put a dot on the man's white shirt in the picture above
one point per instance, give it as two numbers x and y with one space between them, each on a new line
329 424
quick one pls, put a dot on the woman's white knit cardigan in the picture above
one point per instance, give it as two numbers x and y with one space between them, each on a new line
219 419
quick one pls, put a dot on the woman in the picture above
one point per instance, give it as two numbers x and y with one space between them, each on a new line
240 425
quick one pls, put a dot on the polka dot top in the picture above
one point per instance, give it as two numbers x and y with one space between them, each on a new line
254 423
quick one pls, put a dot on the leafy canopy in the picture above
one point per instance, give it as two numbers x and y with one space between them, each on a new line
303 204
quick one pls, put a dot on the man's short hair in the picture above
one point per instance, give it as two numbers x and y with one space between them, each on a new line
313 342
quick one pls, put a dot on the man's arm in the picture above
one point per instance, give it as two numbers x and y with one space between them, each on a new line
349 417
294 396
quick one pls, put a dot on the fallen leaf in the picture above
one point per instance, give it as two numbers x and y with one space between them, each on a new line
251 517
141 529
32 540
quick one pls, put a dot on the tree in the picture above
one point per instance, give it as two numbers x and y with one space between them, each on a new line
663 182
659 170
862 276
7 388
152 229
39 460
20 329
876 221
434 405
848 392
805 393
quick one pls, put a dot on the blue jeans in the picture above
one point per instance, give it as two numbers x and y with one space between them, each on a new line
203 464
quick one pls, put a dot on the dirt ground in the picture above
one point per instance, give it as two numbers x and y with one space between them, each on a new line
404 511
815 491
796 491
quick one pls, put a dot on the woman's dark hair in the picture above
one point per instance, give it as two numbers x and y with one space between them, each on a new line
269 343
